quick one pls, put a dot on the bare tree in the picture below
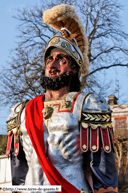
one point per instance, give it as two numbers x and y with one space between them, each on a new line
107 47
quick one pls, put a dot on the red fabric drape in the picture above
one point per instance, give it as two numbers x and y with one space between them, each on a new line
34 126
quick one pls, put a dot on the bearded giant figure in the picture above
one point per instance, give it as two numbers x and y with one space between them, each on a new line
63 137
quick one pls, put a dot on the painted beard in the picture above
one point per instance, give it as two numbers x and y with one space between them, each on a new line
60 81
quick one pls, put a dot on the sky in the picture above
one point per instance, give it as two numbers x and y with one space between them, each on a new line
8 33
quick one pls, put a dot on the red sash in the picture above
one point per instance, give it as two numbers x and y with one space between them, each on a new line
34 125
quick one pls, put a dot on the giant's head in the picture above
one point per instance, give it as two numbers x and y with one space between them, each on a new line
66 54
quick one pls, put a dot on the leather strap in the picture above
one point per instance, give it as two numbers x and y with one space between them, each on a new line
9 143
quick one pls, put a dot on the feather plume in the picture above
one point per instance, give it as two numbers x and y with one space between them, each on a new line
64 16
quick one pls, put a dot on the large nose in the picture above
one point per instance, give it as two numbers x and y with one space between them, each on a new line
53 64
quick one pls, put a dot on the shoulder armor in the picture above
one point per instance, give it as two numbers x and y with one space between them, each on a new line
95 110
13 120
95 103
13 127
95 122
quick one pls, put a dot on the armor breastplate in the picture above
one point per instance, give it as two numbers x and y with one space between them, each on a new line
61 137
61 118
65 122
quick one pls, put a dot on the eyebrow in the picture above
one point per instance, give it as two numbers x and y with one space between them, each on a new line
58 56
49 57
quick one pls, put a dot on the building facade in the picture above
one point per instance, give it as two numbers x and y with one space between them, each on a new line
120 126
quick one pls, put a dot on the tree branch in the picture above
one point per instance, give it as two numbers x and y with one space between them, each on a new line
106 67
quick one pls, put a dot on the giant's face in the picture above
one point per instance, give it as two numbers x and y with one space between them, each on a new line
57 63
60 71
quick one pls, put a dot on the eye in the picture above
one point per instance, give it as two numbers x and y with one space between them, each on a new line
63 61
48 61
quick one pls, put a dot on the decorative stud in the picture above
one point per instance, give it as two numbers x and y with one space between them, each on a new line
84 146
47 112
107 147
16 139
83 191
94 147
8 152
84 125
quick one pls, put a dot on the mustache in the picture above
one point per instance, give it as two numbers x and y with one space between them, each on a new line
54 70
60 81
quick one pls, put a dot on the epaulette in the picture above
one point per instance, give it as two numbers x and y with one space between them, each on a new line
13 128
96 127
